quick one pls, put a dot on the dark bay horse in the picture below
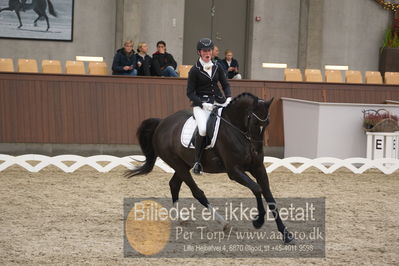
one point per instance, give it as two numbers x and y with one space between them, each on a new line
239 149
39 6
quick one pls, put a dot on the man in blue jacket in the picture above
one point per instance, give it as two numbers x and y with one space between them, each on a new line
124 60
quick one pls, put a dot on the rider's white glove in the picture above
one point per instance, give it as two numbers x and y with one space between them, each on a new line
228 100
207 106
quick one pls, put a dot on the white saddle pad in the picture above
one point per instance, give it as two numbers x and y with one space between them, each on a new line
188 130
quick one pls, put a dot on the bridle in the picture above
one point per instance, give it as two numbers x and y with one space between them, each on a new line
262 120
247 134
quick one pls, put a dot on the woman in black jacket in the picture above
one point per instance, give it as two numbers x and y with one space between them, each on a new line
204 92
143 60
125 61
231 65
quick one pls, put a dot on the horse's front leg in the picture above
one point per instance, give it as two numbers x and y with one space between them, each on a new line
263 180
19 18
6 9
240 177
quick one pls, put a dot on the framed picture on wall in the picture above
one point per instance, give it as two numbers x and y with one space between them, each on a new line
37 19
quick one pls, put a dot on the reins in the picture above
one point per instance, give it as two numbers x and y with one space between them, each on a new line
245 134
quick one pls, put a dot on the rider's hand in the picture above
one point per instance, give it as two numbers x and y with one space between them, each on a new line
228 100
207 106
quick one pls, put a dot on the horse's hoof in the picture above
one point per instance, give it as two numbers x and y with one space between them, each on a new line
184 222
288 237
35 24
257 224
19 27
259 221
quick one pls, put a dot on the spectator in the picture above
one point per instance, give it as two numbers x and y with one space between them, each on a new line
215 54
143 60
231 65
163 63
124 60
216 60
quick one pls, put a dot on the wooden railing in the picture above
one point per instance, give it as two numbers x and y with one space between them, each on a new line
46 108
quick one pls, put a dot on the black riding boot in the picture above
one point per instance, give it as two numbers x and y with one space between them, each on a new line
199 148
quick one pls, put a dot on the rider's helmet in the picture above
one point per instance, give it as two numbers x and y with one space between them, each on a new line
205 44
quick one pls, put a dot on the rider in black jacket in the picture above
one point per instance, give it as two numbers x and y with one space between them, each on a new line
203 91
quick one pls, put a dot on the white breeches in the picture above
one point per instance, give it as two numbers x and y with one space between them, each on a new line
201 116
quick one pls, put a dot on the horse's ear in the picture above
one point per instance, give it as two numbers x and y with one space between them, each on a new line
270 102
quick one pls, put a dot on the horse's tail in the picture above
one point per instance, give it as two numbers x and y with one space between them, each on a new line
51 8
145 134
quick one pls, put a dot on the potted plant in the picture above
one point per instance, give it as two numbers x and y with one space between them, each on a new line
389 54
380 121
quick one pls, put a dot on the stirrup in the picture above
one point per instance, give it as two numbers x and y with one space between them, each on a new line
197 169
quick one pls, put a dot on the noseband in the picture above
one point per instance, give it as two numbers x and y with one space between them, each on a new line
260 119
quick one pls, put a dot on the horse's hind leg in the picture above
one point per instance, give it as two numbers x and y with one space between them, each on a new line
263 180
198 194
243 179
182 174
48 23
35 22
175 185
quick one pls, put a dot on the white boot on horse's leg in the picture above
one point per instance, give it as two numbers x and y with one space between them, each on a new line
219 218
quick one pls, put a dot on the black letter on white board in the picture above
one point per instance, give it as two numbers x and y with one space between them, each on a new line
378 144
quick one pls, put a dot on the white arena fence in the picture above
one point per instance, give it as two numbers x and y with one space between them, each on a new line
105 163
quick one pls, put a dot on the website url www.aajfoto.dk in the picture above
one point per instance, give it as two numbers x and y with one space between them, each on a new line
201 232
315 234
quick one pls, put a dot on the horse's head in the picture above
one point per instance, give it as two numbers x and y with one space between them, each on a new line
259 118
249 113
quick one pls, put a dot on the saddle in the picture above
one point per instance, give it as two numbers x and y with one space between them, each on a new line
190 130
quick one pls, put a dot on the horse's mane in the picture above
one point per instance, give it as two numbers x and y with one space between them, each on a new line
240 97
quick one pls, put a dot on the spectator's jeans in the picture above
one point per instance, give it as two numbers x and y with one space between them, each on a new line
131 73
168 72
